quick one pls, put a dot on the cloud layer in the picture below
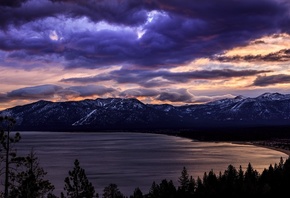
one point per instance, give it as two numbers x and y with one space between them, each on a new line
263 81
54 92
280 56
161 78
173 32
49 92
149 49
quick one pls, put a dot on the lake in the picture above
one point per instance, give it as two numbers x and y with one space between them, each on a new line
133 160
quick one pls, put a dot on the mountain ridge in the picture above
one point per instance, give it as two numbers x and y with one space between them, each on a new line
131 114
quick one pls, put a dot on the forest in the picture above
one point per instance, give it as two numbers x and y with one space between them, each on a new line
23 177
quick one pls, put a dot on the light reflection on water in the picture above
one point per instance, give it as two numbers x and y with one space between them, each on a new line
136 160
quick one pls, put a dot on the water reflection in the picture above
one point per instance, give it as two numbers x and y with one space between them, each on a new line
136 160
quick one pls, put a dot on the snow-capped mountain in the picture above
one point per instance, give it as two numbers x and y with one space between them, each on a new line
123 114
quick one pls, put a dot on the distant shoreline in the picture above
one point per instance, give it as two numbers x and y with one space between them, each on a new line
287 152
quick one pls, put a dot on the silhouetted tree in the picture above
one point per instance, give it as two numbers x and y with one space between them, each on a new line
285 177
184 180
210 182
229 179
200 188
187 184
77 184
191 187
250 180
154 191
8 155
137 193
31 182
112 191
167 189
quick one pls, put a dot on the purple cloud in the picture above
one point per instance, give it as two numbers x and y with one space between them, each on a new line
263 81
37 92
13 3
148 78
90 90
125 12
52 91
280 56
3 98
178 95
139 93
174 32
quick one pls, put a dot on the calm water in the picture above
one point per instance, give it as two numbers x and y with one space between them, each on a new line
136 160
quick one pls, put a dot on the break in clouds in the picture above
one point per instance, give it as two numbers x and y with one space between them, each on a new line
147 39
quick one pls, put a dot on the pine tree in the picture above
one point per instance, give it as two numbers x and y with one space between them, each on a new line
167 189
137 193
200 188
229 180
251 178
31 182
184 180
210 182
191 186
112 191
154 190
7 154
77 184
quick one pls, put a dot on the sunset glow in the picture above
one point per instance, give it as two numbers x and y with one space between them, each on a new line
177 52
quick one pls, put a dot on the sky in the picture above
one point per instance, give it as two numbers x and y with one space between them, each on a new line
158 51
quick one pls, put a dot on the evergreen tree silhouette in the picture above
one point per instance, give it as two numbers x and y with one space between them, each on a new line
251 179
184 180
77 184
137 193
112 191
31 180
7 154
154 191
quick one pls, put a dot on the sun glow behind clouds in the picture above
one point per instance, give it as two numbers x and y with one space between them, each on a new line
197 48
53 36
262 46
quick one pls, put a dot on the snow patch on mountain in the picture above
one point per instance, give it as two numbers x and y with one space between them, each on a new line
83 120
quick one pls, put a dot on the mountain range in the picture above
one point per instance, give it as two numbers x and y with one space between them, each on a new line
131 114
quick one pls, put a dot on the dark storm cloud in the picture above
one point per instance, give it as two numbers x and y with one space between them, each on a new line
209 27
90 49
263 81
90 90
3 98
171 95
179 95
280 56
37 92
260 42
123 76
139 93
12 3
127 12
51 91
152 78
210 74
180 32
114 11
